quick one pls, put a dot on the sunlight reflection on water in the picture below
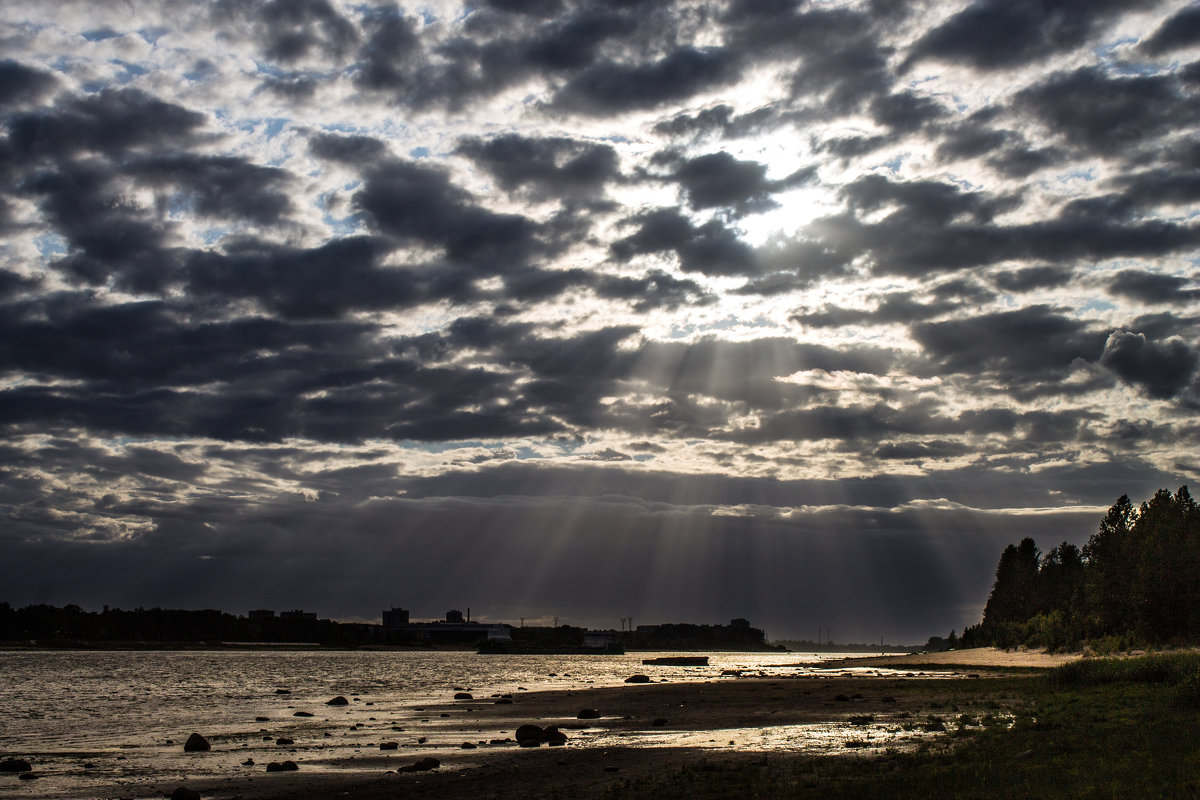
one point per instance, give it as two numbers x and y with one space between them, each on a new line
98 719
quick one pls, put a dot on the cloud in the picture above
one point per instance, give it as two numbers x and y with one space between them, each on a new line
999 35
1163 369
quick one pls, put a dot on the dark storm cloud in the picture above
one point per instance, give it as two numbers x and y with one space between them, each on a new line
933 226
327 281
221 186
110 121
1032 344
615 87
892 308
655 290
419 204
1027 279
1153 287
999 34
718 120
709 248
20 84
545 167
1163 369
1179 31
718 180
841 64
293 29
1109 115
352 150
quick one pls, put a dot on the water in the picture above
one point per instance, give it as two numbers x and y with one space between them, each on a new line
91 721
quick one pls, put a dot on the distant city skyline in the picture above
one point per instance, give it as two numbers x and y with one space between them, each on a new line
691 310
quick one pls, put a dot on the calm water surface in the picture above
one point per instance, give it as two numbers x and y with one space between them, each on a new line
90 721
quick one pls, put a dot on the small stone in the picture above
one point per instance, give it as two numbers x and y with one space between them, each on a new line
841 698
337 701
283 691
467 746
284 740
302 714
262 719
28 776
638 679
249 762
15 765
389 745
196 744
504 701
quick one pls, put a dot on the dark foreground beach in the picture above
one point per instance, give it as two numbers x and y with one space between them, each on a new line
669 726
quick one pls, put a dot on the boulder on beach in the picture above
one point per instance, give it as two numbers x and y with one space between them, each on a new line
389 745
463 696
262 719
302 714
588 713
15 765
337 701
196 744
28 776
529 736
282 766
638 679
284 740
184 793
553 736
467 746
422 765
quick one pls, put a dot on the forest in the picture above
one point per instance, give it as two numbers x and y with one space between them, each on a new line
1136 583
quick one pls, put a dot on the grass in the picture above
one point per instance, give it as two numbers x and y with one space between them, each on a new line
1103 728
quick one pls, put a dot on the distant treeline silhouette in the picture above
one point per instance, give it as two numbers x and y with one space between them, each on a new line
1136 582
51 624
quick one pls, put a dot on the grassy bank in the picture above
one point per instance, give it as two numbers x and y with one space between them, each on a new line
1094 728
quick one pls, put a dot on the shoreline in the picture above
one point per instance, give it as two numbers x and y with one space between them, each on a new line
709 716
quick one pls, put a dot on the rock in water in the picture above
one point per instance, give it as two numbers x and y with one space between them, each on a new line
15 765
463 696
184 793
196 744
638 679
302 714
553 736
337 701
284 740
389 745
588 713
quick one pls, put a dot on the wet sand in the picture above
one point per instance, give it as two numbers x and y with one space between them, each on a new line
974 658
593 761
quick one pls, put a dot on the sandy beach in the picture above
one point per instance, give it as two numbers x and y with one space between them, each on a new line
711 716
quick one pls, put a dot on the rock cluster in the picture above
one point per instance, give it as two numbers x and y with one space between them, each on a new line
282 766
534 736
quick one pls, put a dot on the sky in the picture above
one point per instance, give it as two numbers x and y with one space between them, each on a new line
589 309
